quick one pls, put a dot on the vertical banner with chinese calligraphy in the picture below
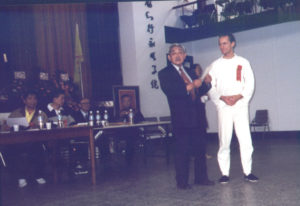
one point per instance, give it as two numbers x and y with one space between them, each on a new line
144 49
150 29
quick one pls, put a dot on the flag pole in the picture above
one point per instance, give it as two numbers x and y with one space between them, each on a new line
81 83
78 61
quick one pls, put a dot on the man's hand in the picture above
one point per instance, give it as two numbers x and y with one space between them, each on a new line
225 99
190 87
231 100
197 83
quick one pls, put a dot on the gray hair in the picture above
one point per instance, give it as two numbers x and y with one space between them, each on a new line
176 45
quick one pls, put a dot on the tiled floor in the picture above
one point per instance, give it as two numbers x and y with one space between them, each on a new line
276 161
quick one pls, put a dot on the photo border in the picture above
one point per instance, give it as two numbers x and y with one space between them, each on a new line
119 91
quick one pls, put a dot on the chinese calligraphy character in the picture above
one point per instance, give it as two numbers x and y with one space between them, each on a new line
151 43
154 69
154 84
148 16
148 4
152 56
150 28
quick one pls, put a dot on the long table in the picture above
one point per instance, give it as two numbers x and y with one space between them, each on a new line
43 135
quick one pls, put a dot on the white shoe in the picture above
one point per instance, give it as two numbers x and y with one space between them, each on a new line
22 183
41 181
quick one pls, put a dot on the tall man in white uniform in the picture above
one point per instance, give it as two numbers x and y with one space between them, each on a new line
232 89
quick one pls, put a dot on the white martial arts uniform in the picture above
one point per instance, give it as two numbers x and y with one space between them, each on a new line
231 77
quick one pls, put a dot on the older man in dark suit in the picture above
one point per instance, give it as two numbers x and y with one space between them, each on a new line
183 91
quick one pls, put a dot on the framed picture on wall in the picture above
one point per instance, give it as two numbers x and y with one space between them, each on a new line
125 95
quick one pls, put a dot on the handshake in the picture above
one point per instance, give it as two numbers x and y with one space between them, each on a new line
198 82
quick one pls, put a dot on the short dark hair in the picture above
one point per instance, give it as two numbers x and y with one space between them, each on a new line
176 45
230 37
56 93
29 92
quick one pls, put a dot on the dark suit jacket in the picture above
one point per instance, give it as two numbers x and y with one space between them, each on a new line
185 112
137 117
79 118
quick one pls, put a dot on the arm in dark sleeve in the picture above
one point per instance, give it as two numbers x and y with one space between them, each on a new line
204 88
171 87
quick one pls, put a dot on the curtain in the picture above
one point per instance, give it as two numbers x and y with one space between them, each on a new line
55 39
42 37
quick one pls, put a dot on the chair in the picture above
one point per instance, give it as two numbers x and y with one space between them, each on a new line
261 119
151 133
169 127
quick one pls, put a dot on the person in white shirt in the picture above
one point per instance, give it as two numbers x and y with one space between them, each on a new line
58 106
232 89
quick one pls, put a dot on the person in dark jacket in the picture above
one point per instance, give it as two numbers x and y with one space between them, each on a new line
183 91
130 135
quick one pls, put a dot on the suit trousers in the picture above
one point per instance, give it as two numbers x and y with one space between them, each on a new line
237 117
190 142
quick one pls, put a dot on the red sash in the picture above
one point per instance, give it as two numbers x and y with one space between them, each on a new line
239 73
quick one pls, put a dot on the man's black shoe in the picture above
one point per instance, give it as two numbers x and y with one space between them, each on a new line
251 178
206 182
224 179
184 186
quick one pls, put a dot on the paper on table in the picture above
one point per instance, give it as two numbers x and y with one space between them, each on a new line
18 121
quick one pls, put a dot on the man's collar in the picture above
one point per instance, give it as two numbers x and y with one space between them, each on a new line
83 112
26 110
176 67
50 107
234 55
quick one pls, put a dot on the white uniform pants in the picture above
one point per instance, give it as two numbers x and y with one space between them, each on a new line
237 117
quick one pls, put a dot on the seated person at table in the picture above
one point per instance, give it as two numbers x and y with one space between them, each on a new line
80 151
27 159
52 110
82 115
130 135
126 105
56 107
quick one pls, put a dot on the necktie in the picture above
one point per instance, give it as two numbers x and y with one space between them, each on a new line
187 81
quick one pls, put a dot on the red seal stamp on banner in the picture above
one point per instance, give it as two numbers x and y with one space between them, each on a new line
239 73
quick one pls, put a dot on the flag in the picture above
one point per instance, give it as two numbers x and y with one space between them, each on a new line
78 61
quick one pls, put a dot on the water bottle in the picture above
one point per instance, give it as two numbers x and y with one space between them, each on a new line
130 116
40 120
59 120
91 119
98 118
105 117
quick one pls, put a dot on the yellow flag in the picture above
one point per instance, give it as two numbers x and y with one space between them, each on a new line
78 60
